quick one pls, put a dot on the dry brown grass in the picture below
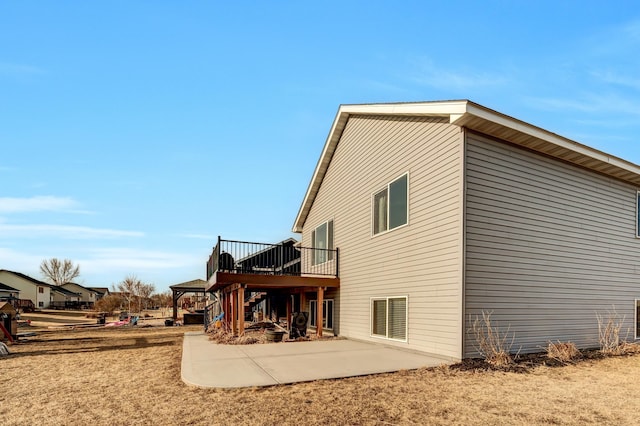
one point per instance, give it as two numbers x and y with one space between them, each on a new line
132 376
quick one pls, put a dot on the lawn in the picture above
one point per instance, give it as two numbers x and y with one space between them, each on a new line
132 376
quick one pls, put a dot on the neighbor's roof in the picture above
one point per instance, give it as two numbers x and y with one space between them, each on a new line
101 290
64 291
27 277
190 285
470 115
5 287
83 287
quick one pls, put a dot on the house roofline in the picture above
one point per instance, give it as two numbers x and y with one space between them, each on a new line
81 286
27 277
473 116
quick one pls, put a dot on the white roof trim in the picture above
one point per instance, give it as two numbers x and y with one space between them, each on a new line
460 113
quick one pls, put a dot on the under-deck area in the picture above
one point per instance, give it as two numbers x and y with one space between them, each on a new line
237 271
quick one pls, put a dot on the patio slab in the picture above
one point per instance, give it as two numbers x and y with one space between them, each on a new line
207 364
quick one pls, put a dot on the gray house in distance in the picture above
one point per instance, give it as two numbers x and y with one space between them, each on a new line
442 210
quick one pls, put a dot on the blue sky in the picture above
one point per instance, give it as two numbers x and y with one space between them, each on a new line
133 133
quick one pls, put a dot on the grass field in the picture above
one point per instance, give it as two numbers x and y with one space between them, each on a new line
132 376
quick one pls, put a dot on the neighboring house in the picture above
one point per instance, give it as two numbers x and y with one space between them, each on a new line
100 292
8 293
445 210
35 290
88 297
61 298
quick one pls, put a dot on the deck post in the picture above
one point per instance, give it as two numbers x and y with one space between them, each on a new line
234 312
227 310
289 312
303 301
319 311
175 306
241 311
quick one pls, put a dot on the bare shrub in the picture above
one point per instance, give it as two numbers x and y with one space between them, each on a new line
628 348
108 304
609 326
563 351
224 337
492 344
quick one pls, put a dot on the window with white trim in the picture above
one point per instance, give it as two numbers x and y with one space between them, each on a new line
638 214
391 205
637 321
389 317
327 314
322 238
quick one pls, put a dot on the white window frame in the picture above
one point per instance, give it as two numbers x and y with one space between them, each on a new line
635 319
312 318
373 206
637 214
406 320
328 255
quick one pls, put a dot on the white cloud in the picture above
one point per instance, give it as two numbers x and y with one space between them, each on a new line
198 236
128 260
610 77
62 231
37 203
19 69
19 261
428 74
607 103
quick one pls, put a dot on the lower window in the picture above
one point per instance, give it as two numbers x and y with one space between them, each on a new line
637 312
327 313
389 317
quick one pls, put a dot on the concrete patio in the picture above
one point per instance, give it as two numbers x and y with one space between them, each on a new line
206 364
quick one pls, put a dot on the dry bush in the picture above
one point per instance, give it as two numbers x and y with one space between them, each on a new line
224 337
492 344
609 326
108 304
563 351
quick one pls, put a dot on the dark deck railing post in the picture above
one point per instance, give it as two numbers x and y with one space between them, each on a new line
337 262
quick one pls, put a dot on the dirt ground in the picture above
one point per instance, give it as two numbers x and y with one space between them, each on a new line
132 376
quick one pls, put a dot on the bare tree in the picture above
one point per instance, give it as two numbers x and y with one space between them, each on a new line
145 292
163 301
130 289
58 271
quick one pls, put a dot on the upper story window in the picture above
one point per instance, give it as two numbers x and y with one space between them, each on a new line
322 238
638 214
391 205
40 289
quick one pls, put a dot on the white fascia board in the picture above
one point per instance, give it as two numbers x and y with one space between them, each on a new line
547 136
442 109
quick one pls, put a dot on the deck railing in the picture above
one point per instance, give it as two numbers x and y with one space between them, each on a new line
271 259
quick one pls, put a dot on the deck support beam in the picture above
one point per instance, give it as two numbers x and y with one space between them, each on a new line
234 312
303 301
241 311
289 312
319 311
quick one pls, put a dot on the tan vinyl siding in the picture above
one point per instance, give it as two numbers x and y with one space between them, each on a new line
548 245
422 260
